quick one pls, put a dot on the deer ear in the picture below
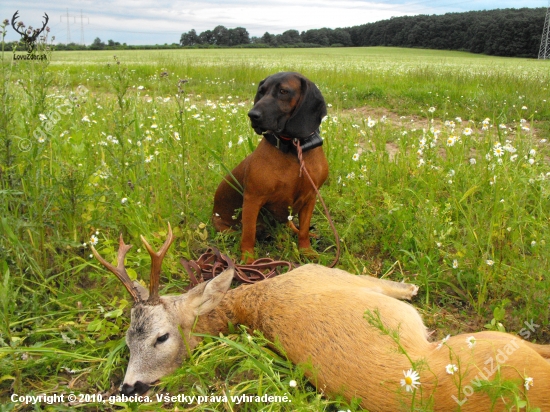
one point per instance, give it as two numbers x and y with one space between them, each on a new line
206 296
143 292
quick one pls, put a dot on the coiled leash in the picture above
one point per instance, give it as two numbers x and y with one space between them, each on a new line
213 262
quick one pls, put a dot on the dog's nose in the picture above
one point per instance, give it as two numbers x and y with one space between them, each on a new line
254 115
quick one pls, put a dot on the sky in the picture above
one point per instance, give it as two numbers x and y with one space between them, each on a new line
163 21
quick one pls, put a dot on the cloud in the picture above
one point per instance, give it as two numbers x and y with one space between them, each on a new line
148 22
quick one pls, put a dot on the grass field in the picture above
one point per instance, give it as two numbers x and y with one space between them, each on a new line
439 175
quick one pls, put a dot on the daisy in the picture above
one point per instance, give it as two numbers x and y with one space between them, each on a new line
467 131
490 262
355 157
455 264
443 341
93 240
509 148
292 383
451 369
411 381
42 117
498 150
371 122
431 109
451 140
471 341
528 383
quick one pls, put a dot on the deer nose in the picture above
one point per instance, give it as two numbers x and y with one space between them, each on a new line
139 388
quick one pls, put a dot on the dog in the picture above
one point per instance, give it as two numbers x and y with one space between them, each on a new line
287 108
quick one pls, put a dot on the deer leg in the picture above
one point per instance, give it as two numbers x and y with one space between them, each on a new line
398 290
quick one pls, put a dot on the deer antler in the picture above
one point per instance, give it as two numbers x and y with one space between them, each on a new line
20 24
46 22
120 270
156 263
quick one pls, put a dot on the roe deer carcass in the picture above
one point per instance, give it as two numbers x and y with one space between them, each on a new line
318 316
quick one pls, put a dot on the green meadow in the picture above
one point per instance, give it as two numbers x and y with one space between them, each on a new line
439 176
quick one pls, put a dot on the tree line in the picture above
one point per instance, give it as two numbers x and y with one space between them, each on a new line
500 32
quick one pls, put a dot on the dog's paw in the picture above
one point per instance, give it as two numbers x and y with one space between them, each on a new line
247 258
309 253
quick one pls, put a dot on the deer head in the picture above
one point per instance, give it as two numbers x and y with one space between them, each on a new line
29 35
159 336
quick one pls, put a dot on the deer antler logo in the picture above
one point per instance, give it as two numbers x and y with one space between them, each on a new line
28 36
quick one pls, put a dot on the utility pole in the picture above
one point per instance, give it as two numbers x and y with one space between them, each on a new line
69 25
544 51
82 27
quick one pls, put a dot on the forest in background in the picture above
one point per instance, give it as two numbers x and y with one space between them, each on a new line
501 32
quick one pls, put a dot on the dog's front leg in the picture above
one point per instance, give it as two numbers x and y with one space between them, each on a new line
304 216
250 212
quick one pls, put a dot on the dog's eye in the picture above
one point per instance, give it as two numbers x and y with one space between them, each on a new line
163 338
283 91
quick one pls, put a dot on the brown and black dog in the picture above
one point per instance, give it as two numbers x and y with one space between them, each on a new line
287 106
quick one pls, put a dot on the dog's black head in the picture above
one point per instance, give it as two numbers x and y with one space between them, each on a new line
287 104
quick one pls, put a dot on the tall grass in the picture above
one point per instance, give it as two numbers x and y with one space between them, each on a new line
425 189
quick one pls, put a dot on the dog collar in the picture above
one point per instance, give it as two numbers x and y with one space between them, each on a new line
286 144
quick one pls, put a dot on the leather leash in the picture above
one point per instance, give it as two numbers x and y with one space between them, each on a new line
329 218
211 263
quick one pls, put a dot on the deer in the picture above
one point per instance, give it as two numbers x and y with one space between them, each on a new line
29 36
318 316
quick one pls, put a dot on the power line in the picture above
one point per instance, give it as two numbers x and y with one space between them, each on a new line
74 17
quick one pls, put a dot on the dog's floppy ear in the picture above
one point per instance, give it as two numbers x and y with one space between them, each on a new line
258 94
308 113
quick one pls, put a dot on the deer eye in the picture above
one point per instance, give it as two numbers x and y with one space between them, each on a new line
163 338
